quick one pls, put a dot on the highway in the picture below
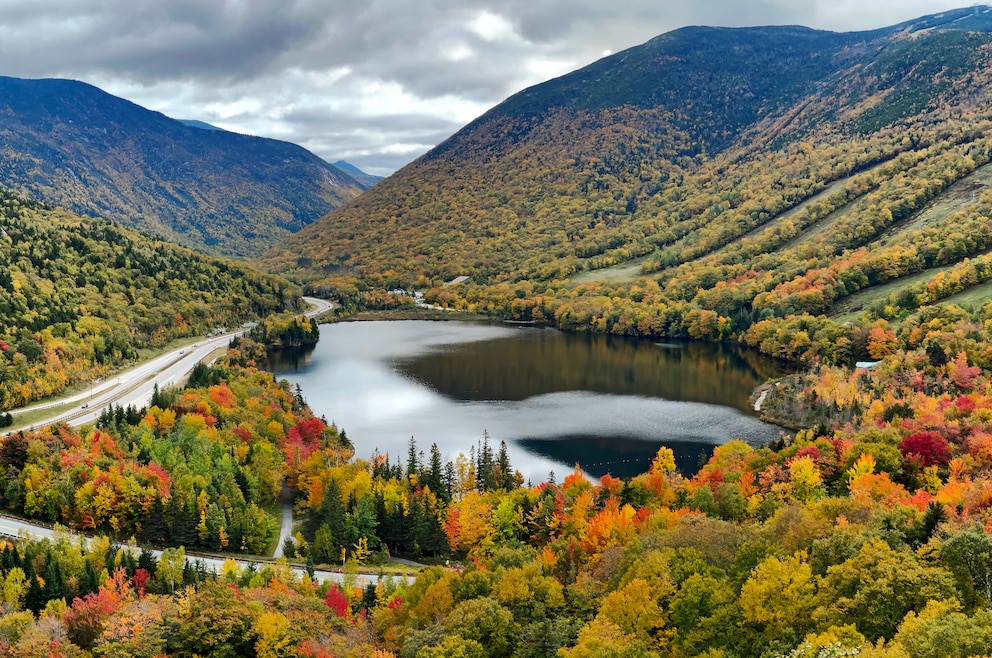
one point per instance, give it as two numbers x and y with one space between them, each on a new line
135 386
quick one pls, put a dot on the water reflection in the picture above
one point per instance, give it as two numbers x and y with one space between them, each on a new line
620 456
555 398
537 361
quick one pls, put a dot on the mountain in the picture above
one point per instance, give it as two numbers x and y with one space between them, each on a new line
697 185
70 144
567 166
368 180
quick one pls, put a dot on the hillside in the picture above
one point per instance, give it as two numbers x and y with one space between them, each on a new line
72 145
742 172
202 125
79 297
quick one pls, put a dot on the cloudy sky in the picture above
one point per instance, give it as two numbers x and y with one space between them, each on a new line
375 82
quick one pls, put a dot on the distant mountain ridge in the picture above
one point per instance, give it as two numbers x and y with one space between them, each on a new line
769 68
70 144
202 125
368 179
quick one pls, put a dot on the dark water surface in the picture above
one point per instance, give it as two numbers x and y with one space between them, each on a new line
556 399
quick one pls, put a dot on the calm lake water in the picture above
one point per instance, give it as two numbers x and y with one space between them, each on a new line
605 402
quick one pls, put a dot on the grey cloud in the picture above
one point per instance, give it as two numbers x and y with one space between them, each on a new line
147 40
341 123
271 60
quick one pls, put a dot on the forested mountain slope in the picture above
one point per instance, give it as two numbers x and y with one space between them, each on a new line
81 296
70 144
698 156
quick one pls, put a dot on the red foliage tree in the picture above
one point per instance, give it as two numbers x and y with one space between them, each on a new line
85 619
139 580
808 451
929 448
302 440
337 601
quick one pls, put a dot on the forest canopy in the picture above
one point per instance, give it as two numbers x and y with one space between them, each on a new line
80 297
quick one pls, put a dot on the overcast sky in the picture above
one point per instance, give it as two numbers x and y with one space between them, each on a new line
375 82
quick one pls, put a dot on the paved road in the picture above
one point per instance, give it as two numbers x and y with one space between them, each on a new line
135 386
12 527
286 531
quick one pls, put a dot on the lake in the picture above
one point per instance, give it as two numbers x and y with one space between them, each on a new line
605 402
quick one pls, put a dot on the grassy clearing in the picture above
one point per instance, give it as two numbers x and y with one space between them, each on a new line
850 307
972 297
622 273
151 353
823 226
631 270
958 196
395 568
834 187
817 228
29 418
388 569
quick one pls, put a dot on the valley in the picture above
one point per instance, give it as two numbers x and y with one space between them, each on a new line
727 392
